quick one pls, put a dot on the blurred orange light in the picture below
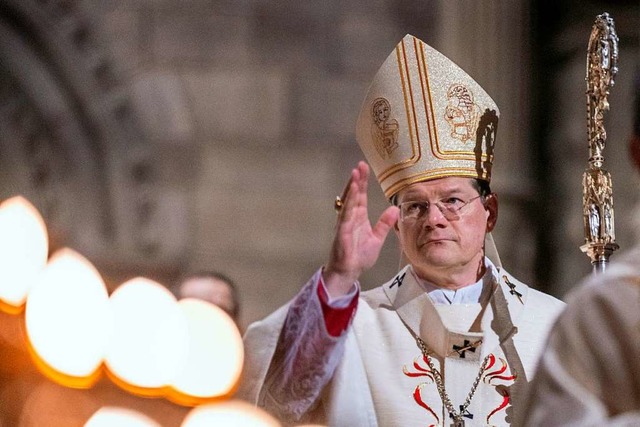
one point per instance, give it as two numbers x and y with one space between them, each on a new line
68 319
233 413
150 340
215 354
110 416
23 251
149 343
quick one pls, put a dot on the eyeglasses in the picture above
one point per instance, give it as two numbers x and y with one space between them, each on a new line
451 208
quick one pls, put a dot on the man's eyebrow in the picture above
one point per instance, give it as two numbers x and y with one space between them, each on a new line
457 189
454 190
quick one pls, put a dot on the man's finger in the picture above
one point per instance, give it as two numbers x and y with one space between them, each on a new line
386 221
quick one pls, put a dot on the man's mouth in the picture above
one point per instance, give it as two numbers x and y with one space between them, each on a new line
434 240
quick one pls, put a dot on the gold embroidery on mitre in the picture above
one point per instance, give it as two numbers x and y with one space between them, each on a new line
384 129
462 113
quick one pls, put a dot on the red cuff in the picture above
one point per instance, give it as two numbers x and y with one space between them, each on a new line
336 320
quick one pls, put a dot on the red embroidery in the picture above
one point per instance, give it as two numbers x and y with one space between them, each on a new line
420 368
415 374
499 371
496 375
417 395
505 402
501 389
502 377
421 371
492 361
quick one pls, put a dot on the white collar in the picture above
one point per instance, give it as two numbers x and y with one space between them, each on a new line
470 294
502 295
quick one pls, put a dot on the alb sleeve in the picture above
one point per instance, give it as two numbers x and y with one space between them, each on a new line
308 352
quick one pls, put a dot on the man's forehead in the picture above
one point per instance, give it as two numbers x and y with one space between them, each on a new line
447 184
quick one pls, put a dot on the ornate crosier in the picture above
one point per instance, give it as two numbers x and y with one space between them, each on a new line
602 59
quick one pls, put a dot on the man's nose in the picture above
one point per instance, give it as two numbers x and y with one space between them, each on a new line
434 216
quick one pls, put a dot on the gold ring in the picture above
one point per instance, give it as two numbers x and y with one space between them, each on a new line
337 204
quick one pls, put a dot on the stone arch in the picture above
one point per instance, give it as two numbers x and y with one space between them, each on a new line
70 141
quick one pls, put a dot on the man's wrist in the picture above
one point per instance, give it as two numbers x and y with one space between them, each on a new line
337 284
337 312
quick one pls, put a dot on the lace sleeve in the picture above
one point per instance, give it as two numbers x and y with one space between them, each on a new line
305 358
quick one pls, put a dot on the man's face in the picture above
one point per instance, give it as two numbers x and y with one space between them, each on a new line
211 290
437 248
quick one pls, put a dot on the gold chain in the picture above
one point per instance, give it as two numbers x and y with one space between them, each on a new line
440 384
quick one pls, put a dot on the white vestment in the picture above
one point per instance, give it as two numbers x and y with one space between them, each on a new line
590 373
382 378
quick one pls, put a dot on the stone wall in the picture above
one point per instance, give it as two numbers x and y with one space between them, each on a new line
251 107
263 99
204 134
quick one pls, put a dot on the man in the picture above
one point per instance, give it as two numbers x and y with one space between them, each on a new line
452 338
590 373
212 287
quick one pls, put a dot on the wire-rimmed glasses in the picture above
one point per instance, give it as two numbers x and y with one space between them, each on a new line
451 208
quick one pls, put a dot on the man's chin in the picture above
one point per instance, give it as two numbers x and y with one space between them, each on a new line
436 259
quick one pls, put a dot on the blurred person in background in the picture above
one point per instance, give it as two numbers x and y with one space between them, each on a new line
589 375
213 287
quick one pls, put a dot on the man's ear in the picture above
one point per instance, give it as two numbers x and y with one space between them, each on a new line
491 205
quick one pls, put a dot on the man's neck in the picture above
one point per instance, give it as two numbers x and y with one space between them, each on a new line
453 279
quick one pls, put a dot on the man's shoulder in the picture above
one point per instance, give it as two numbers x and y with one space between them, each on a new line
534 296
537 309
611 294
539 297
375 296
374 299
618 286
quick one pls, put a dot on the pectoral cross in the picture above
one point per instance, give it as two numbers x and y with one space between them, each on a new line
458 421
466 346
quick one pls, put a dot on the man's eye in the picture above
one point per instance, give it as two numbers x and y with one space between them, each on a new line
414 207
452 202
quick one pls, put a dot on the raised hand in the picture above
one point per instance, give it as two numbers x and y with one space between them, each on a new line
356 245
